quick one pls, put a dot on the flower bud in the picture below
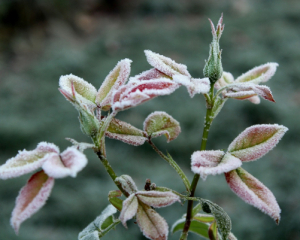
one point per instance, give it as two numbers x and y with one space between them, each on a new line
213 66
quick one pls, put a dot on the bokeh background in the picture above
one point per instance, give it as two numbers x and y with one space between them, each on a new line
40 40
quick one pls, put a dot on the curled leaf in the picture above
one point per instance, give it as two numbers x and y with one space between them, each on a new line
253 192
193 85
133 94
114 200
127 184
256 141
99 226
27 161
68 163
213 231
151 223
259 74
157 199
114 80
213 162
31 198
129 209
125 132
160 123
166 65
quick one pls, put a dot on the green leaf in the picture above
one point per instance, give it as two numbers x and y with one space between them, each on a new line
205 218
213 231
196 209
222 218
195 227
125 132
100 226
114 200
161 123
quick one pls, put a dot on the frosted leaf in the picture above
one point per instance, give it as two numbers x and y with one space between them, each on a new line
68 163
125 132
232 237
135 94
254 99
256 141
127 184
253 192
151 74
27 161
129 209
159 123
31 198
225 80
151 223
241 95
213 162
81 146
86 92
193 85
91 232
114 80
259 74
166 65
157 199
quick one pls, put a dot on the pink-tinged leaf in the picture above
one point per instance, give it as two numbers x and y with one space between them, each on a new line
259 74
129 209
148 75
213 231
31 198
127 184
160 123
256 141
68 163
27 161
252 191
241 95
135 94
125 132
157 199
225 80
166 65
193 85
264 92
151 223
213 162
86 92
254 99
114 80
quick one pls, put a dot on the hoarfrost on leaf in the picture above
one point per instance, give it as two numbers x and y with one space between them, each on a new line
129 209
253 192
157 199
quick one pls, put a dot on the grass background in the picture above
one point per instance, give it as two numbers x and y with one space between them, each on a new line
40 40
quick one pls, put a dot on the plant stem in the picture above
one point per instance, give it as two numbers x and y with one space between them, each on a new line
173 164
207 124
109 170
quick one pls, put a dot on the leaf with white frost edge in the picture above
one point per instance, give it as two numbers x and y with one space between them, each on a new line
86 92
129 209
193 85
151 223
165 65
127 184
114 80
153 73
256 141
68 163
213 162
31 198
253 192
125 132
132 94
91 232
157 199
213 231
259 74
27 161
160 123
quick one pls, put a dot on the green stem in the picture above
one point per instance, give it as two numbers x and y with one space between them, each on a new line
109 170
170 160
207 124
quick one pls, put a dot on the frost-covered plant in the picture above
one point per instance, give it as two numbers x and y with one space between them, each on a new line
97 115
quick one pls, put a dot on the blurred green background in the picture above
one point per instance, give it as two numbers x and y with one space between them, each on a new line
40 40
